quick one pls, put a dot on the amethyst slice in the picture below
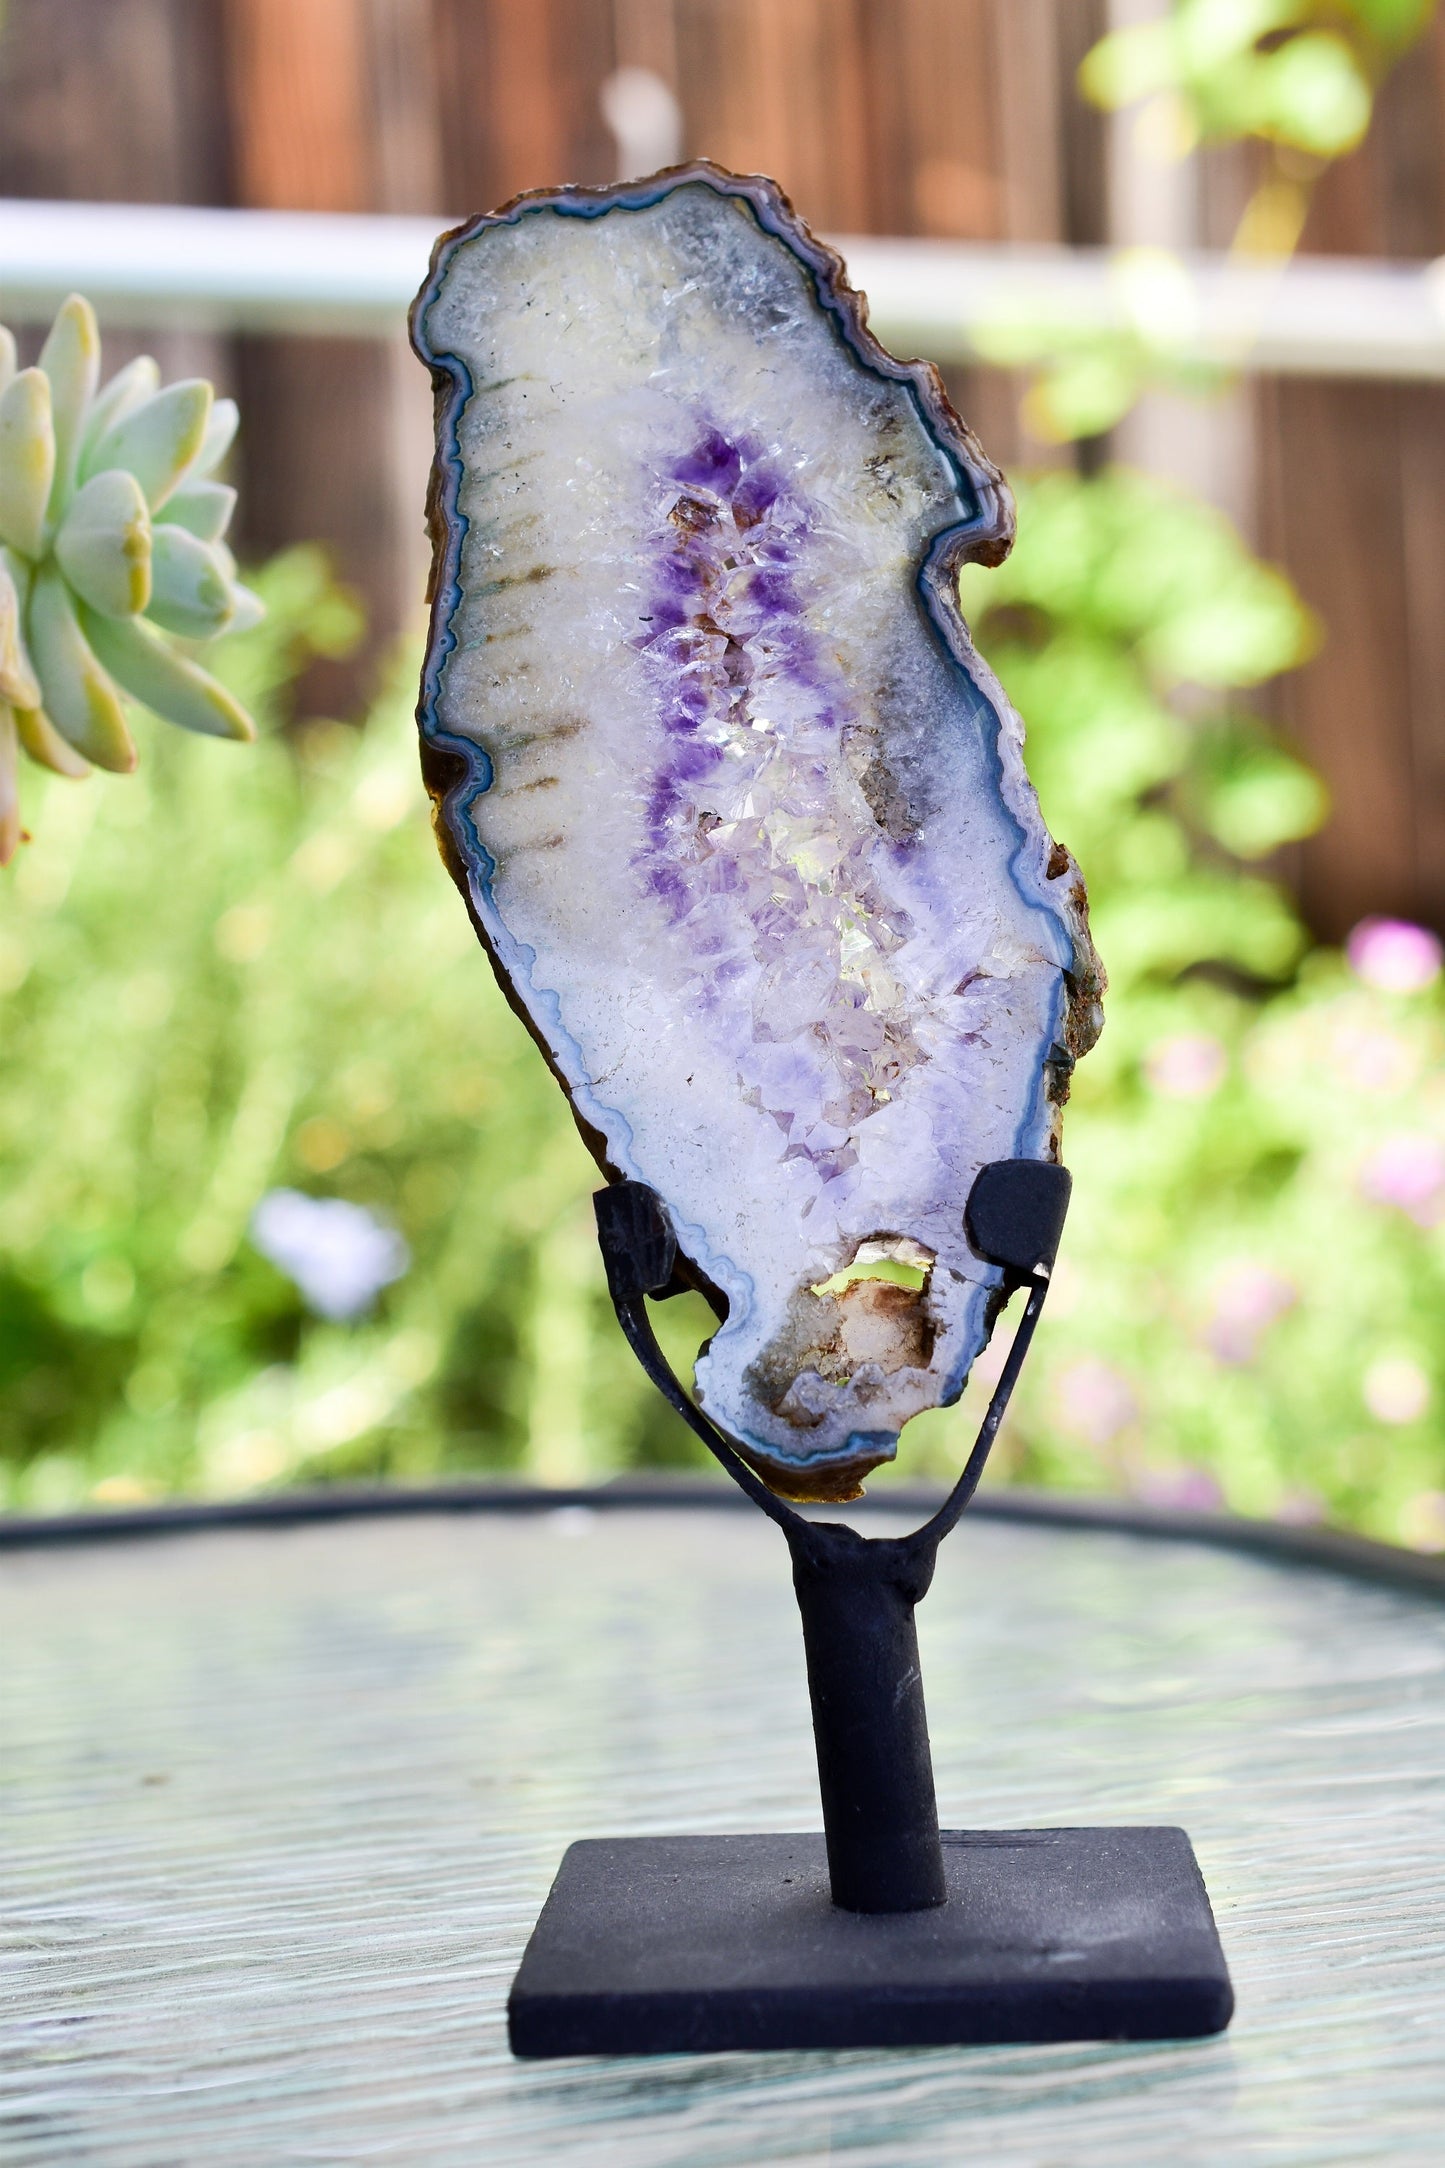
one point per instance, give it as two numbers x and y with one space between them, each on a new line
740 816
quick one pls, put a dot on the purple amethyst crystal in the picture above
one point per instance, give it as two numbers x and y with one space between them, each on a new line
740 815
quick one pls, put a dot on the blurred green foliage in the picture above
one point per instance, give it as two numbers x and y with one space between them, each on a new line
1298 73
226 975
1086 376
1298 79
1253 1281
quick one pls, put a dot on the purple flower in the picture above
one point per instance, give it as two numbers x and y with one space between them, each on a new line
1300 1509
337 1253
1247 1300
1394 956
1191 1065
1094 1400
1181 1490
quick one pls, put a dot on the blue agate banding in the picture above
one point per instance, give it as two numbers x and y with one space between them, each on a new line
739 813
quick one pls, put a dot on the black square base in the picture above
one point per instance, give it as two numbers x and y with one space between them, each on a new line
672 1945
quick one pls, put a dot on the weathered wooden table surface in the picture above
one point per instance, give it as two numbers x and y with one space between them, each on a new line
281 1806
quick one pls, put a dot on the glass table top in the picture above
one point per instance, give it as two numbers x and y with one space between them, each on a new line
281 1806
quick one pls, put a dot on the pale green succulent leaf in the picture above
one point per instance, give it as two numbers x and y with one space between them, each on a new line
27 461
70 358
191 594
104 544
202 508
169 684
159 440
248 610
128 389
21 571
82 470
220 434
18 684
43 742
78 695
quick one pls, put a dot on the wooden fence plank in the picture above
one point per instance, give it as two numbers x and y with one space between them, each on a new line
644 35
936 155
116 103
1353 482
326 113
401 73
1334 515
949 117
121 103
298 91
1028 95
1422 558
778 86
519 84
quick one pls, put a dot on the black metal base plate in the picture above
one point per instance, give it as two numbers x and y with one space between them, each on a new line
670 1945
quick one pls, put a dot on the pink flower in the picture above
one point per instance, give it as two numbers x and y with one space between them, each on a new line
1393 956
1094 1400
1408 1172
1181 1490
1300 1509
1189 1066
1247 1300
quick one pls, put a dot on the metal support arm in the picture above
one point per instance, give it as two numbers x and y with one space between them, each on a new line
856 1594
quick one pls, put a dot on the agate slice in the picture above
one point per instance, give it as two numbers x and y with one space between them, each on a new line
740 816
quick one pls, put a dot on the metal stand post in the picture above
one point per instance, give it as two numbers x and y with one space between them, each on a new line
857 1594
875 1772
655 1944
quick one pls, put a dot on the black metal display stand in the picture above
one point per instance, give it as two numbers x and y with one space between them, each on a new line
885 1931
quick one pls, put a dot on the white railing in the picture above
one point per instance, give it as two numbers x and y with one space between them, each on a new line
299 271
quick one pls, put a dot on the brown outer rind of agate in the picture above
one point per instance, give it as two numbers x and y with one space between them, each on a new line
985 540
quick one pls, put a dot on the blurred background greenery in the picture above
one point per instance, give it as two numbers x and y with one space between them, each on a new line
244 970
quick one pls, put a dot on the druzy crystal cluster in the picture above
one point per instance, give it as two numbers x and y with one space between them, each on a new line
740 816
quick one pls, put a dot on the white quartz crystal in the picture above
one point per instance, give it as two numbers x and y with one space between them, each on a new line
741 817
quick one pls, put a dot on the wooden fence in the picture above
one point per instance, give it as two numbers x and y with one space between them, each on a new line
937 117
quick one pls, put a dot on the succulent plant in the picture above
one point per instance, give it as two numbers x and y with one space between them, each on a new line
111 527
